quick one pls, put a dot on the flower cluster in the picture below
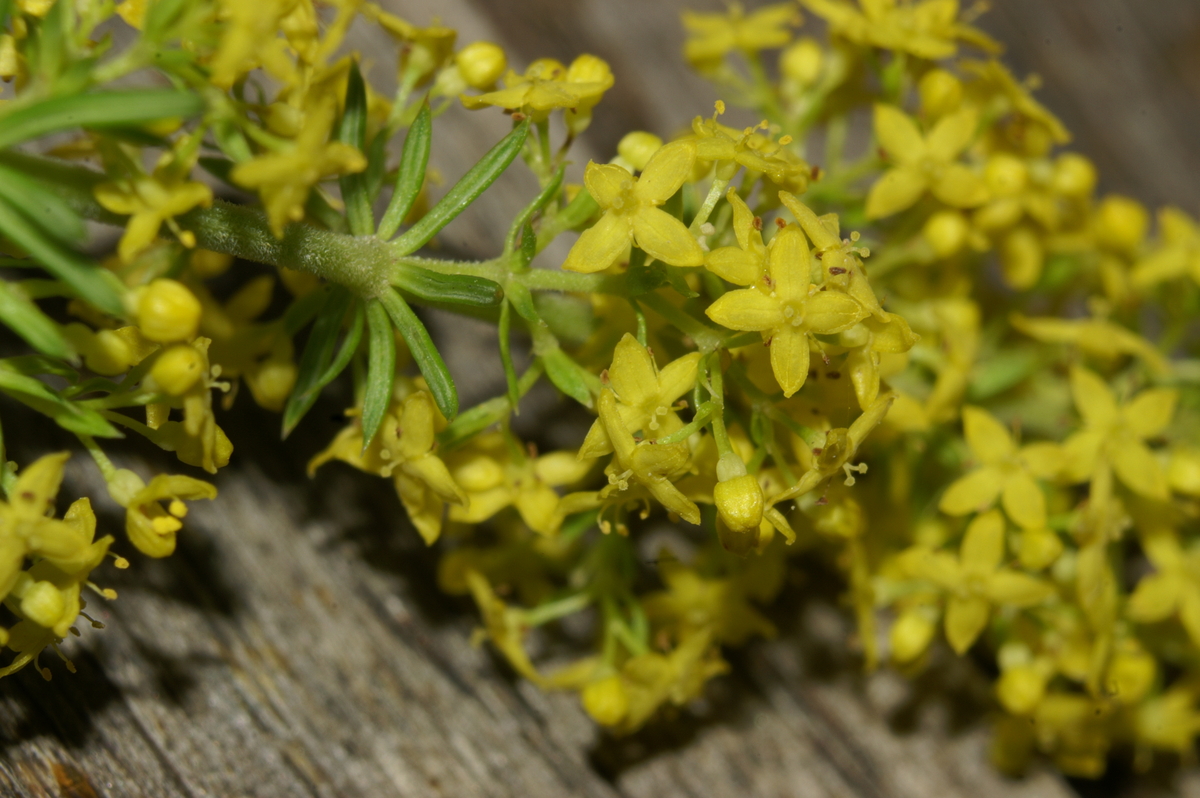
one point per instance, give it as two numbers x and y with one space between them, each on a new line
750 319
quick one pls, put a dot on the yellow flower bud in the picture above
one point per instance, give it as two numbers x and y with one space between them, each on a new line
109 354
1131 675
1183 472
481 64
1020 689
272 383
946 231
167 311
637 147
1121 222
941 93
911 634
1074 175
802 62
177 369
605 700
740 507
206 263
43 604
1006 174
1038 548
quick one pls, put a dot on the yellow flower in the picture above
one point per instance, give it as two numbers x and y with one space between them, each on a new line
1113 436
631 213
761 155
711 36
645 395
841 265
150 527
1096 337
283 179
1170 721
787 309
1173 589
503 625
198 441
692 604
998 94
548 84
403 449
1004 471
151 201
247 29
974 581
924 163
1177 256
890 335
926 28
650 465
424 51
481 64
745 263
493 478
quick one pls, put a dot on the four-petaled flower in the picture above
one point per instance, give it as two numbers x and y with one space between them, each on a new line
1179 254
927 28
1174 589
711 36
548 84
631 213
150 201
787 309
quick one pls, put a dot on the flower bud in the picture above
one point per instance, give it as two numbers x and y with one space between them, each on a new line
946 231
740 503
637 147
1006 174
1020 689
1021 257
941 93
272 382
109 354
1121 222
1131 675
178 369
911 634
1038 548
43 604
481 64
1074 175
167 311
605 700
801 62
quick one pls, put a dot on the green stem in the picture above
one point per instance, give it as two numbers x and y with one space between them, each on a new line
714 196
106 467
706 338
703 413
552 611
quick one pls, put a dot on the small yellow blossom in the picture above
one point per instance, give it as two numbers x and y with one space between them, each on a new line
645 394
745 263
151 201
692 604
925 28
787 309
1004 471
546 85
974 581
1096 337
1178 255
481 64
712 36
505 626
759 154
924 163
424 51
151 527
1173 589
631 213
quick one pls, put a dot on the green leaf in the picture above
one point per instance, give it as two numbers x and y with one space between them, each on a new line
32 365
528 246
318 352
97 109
465 191
68 415
352 130
675 278
349 346
376 165
27 321
302 310
411 175
510 371
485 414
429 360
381 369
567 376
526 215
42 206
89 282
447 289
522 301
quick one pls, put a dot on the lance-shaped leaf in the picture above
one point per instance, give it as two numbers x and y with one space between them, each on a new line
381 369
86 280
26 320
465 191
97 109
352 130
318 352
447 289
414 159
70 416
42 206
510 371
567 375
429 360
526 216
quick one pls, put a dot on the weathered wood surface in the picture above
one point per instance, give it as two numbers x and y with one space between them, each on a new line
297 645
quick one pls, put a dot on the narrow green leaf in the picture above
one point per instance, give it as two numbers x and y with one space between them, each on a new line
43 207
27 321
528 245
526 215
318 351
352 130
98 109
642 277
376 165
347 349
486 413
522 301
674 276
160 17
510 371
565 374
411 175
32 365
447 289
68 415
86 280
381 369
429 360
301 311
465 191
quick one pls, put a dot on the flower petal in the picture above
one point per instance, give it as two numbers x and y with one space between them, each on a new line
1139 470
600 245
1149 413
829 312
1155 598
951 135
665 172
632 374
989 440
898 134
1016 589
746 309
1093 398
1023 501
606 182
790 264
965 619
983 545
972 492
666 238
790 358
677 378
897 190
959 186
735 265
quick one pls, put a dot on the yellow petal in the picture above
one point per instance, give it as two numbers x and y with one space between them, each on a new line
665 172
1149 413
790 359
666 238
972 492
898 134
632 374
983 544
746 309
828 312
938 567
37 485
1038 548
959 186
1093 398
965 619
600 245
1139 470
735 265
1081 454
1154 599
790 263
951 135
743 222
1189 613
1023 501
606 182
989 440
416 423
677 378
1044 459
1017 589
897 190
